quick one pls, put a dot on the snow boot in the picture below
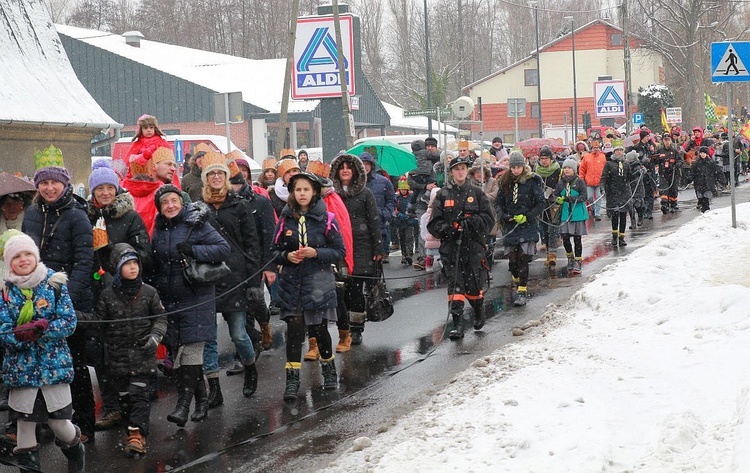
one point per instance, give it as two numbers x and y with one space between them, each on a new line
345 341
479 318
664 208
74 452
577 266
521 296
180 414
201 399
236 367
28 459
251 380
135 443
515 280
215 398
313 353
458 331
571 261
356 334
551 259
621 240
330 378
292 382
615 234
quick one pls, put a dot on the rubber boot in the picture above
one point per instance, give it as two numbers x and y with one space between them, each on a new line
28 459
479 319
201 400
75 452
313 353
250 384
180 413
330 378
615 235
521 296
292 384
345 341
215 398
458 330
621 240
571 262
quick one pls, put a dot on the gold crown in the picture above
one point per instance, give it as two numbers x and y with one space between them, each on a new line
286 165
269 163
319 168
49 157
202 147
287 152
233 168
162 154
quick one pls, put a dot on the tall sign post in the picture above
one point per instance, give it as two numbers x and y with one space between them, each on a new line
228 109
728 64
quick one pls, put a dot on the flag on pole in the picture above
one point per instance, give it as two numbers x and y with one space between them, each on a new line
664 123
710 110
745 130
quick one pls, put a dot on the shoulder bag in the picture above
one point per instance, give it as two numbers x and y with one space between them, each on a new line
379 301
197 273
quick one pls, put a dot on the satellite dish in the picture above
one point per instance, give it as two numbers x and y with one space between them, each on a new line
463 107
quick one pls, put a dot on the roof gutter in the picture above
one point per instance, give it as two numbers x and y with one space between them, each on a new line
98 126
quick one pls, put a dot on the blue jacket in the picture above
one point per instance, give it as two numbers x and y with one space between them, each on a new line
385 196
574 191
47 360
309 285
195 320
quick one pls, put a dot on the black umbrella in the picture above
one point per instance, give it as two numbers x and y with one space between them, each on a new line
10 184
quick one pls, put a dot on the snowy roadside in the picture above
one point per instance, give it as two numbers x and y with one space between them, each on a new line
644 369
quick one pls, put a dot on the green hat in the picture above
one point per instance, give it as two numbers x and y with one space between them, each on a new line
4 239
50 157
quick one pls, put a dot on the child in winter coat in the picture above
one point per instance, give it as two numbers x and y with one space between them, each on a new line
616 181
431 244
130 347
36 315
571 194
706 173
404 225
148 138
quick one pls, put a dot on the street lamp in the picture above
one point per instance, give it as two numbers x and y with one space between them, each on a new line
575 93
427 66
533 3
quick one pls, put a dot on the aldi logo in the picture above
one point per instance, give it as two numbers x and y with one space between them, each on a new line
609 98
316 61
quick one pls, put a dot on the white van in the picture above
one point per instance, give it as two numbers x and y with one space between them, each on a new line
405 140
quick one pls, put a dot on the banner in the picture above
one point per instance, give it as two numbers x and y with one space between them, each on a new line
664 123
710 110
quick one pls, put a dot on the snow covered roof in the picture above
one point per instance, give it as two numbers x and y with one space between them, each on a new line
261 81
417 123
39 85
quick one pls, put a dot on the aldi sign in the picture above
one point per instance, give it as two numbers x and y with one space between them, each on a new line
315 73
610 98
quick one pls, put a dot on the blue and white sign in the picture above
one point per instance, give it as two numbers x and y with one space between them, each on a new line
638 118
609 97
728 61
315 73
179 156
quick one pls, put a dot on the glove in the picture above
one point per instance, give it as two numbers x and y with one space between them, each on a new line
520 219
30 332
40 325
185 248
560 200
150 343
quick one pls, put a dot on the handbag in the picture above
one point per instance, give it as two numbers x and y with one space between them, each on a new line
379 301
197 273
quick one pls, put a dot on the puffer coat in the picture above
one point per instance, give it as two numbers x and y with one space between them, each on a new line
363 213
194 319
616 181
520 195
63 233
309 285
123 341
46 361
235 222
706 174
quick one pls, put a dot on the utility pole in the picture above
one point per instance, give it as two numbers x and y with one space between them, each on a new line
427 67
626 60
535 4
281 142
346 113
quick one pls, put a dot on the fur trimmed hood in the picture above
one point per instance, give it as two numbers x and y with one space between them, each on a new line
359 179
194 214
122 204
507 179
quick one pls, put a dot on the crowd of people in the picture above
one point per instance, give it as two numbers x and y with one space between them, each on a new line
103 282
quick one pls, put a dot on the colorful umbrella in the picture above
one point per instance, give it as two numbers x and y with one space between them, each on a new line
531 146
391 157
10 184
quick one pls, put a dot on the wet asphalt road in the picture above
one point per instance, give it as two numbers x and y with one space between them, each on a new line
402 362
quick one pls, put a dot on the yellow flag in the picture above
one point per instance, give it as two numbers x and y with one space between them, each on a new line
664 123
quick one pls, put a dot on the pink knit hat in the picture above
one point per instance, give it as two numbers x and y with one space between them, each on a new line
17 244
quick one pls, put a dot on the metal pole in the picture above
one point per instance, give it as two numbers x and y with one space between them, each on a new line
280 144
342 77
575 89
538 68
515 116
730 136
427 67
626 60
226 121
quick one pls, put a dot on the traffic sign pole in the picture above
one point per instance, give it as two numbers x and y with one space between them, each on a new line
730 137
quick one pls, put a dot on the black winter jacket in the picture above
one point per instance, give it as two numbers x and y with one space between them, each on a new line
706 174
235 222
309 285
616 181
195 317
363 213
64 236
265 222
520 195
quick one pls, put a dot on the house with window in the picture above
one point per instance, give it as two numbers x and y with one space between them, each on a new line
598 56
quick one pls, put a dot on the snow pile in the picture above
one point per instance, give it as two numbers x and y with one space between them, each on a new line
645 369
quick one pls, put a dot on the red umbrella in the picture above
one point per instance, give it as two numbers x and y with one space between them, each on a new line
531 146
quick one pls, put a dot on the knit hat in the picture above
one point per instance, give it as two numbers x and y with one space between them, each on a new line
214 161
545 151
632 156
516 159
286 165
403 184
618 147
162 154
570 163
703 149
607 148
288 152
164 190
18 243
497 139
4 237
322 170
430 141
644 134
102 173
49 165
269 163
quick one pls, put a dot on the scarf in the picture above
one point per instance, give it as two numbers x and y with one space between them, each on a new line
128 289
27 284
280 189
546 172
302 231
214 196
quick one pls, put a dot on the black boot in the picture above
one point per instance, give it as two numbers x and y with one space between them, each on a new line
251 380
28 459
215 398
74 452
292 384
458 330
330 378
201 400
479 319
614 238
180 414
621 240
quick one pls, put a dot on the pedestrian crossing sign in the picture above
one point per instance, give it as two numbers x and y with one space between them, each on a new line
729 61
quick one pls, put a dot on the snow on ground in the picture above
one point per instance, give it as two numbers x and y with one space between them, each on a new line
645 369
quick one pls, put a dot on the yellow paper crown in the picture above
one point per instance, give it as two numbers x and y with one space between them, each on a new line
288 152
269 163
319 168
49 157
